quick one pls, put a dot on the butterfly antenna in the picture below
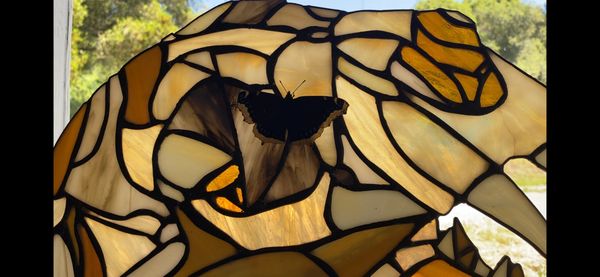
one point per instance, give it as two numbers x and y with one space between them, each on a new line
283 86
297 87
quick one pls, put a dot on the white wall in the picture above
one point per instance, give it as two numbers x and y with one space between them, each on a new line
62 57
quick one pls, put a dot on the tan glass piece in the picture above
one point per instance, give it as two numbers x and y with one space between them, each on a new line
319 35
142 223
203 248
447 245
206 19
260 40
90 258
93 124
298 173
402 74
174 85
407 257
491 91
395 22
432 74
369 136
439 268
248 68
386 270
120 250
431 148
169 232
462 58
364 174
356 208
224 179
170 192
99 182
250 12
59 209
295 16
356 253
363 49
469 84
427 232
326 146
305 61
65 146
141 73
63 266
162 263
291 264
459 16
169 37
517 271
327 13
466 259
292 224
541 158
482 269
501 270
501 198
367 79
440 28
137 154
203 58
517 127
184 161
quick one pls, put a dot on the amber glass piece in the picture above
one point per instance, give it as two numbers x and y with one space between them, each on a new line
462 58
224 203
71 228
356 253
248 68
367 79
440 28
224 179
137 154
435 76
93 126
308 62
250 12
404 75
64 147
491 92
469 84
269 264
91 261
141 75
240 196
362 50
203 248
295 16
203 58
439 268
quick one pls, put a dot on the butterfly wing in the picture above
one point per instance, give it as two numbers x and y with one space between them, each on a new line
309 115
264 110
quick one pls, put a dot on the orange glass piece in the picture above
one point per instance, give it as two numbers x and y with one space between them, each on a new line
439 268
435 76
64 147
227 205
226 178
141 73
491 92
459 57
240 196
440 28
469 84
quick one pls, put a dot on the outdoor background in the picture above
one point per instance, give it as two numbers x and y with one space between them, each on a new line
107 33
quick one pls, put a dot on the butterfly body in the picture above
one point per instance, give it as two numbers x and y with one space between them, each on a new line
287 119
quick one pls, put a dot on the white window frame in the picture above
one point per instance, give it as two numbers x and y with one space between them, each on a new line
63 14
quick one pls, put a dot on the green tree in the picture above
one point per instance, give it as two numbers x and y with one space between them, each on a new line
107 33
514 29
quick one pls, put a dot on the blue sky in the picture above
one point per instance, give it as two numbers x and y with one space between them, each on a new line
352 5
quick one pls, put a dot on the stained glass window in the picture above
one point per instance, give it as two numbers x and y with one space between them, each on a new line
268 138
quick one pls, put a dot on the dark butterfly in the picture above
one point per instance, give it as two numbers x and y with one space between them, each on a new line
279 120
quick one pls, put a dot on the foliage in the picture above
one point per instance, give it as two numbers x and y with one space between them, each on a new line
107 33
514 29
